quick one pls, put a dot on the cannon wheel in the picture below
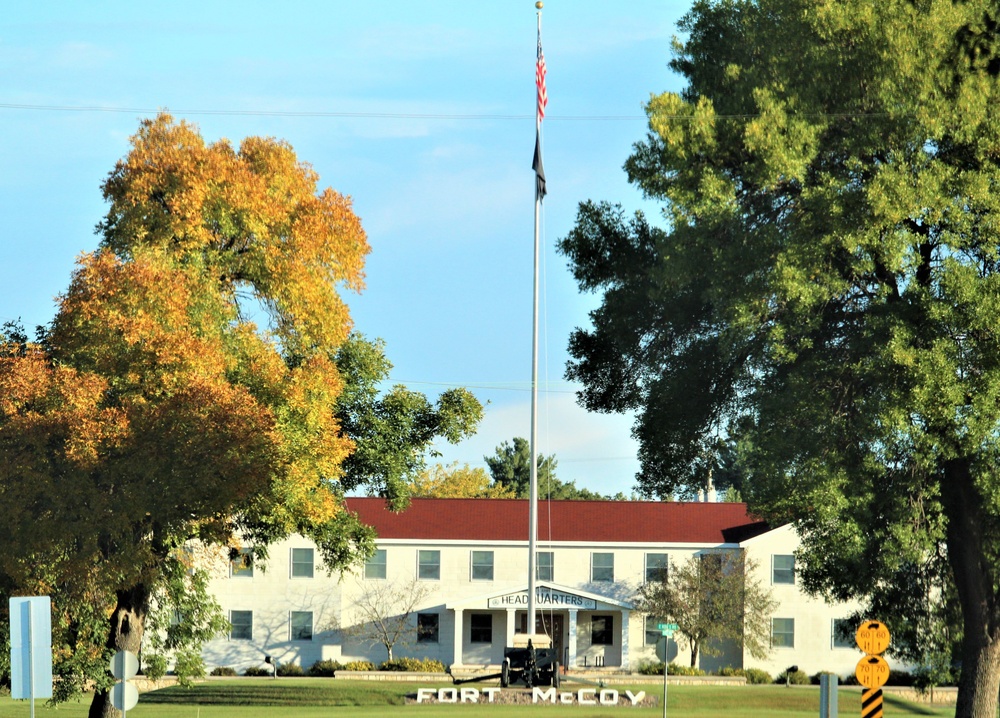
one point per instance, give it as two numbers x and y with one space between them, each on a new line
555 675
505 673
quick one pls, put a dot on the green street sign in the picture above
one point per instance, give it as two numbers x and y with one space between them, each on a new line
667 626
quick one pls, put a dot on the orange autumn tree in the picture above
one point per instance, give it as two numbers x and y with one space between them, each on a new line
154 410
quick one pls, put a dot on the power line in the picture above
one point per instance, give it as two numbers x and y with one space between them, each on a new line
319 114
417 115
491 387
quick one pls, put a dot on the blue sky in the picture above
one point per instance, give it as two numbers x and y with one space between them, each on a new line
422 112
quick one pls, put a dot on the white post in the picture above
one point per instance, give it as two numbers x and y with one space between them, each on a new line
625 641
571 659
457 639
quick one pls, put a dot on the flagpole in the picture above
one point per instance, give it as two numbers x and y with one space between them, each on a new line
533 481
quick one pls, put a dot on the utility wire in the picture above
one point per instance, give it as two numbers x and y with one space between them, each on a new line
417 115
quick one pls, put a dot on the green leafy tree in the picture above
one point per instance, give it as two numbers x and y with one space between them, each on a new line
510 468
393 432
454 481
713 599
825 285
153 411
183 616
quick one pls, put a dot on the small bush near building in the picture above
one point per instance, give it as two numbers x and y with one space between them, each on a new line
359 666
900 678
757 676
257 672
754 676
816 678
656 669
223 671
795 678
325 669
290 670
413 665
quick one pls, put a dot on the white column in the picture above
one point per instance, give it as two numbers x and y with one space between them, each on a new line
511 615
457 639
625 617
572 639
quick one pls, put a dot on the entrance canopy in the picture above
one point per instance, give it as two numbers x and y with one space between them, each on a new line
548 596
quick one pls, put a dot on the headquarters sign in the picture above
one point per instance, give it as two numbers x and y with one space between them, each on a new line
544 598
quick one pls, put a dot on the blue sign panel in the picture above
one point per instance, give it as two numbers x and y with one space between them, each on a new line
30 647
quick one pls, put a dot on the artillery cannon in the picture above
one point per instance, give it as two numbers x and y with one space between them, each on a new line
531 661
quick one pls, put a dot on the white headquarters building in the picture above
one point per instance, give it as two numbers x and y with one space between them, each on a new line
468 559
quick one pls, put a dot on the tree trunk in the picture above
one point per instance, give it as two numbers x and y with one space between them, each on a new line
694 654
974 582
124 634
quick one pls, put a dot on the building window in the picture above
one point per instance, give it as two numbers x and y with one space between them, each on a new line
302 563
602 630
427 627
375 566
653 633
429 565
482 628
242 565
482 565
602 567
656 567
302 626
782 569
241 625
843 634
545 563
783 632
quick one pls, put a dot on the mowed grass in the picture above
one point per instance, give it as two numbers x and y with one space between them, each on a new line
312 698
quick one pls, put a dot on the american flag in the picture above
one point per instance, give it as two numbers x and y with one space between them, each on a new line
543 97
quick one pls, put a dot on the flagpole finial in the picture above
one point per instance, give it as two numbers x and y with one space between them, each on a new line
538 5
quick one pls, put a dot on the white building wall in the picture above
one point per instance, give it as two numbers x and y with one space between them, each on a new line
813 650
272 593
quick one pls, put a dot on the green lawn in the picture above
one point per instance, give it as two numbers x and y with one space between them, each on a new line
312 698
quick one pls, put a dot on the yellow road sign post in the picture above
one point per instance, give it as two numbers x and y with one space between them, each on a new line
872 670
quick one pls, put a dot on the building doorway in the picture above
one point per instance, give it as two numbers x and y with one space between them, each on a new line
550 623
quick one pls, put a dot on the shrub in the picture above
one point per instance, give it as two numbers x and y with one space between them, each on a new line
730 671
417 665
257 671
795 678
359 666
290 669
223 671
900 678
674 669
816 678
325 669
757 676
678 670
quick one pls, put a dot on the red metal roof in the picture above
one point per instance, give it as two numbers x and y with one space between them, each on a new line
588 521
